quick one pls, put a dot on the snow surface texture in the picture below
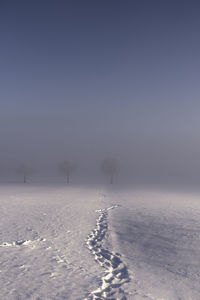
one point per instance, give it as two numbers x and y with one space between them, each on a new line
158 233
42 237
43 253
117 273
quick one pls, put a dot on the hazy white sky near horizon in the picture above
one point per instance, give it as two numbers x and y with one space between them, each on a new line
82 80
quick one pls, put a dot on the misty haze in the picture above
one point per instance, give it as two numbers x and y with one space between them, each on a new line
99 150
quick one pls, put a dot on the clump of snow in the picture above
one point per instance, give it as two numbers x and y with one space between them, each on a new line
116 271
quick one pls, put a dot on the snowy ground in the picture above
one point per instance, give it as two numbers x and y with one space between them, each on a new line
158 233
72 242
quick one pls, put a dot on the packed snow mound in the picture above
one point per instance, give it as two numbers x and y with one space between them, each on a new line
116 274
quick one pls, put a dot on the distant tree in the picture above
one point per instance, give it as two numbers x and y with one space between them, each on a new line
24 170
110 167
66 168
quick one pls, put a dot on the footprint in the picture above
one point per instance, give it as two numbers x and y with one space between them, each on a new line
116 271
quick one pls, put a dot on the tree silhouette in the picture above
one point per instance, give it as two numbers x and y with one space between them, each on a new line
110 167
24 170
66 168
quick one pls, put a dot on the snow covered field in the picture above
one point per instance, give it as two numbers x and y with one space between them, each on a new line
59 242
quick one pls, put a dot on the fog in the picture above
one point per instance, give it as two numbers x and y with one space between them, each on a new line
85 82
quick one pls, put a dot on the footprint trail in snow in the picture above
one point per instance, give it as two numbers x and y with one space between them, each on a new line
116 273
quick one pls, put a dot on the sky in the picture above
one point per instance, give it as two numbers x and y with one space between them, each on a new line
82 80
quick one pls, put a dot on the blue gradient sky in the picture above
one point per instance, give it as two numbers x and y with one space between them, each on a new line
85 79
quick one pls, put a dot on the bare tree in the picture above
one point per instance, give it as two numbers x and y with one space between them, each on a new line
110 167
24 170
66 168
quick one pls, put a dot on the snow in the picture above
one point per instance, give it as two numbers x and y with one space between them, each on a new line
70 242
116 272
43 251
158 233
